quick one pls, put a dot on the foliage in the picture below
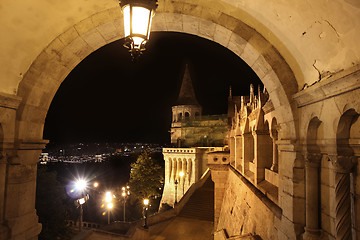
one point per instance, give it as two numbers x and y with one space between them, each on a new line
146 177
50 198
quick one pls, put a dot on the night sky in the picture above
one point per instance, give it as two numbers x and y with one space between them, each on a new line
107 97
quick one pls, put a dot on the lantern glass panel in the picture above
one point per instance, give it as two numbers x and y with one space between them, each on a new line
140 20
126 12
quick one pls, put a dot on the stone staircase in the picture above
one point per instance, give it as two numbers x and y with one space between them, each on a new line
201 203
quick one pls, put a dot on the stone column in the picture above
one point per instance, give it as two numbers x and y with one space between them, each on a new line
189 171
20 192
342 167
219 175
275 163
170 168
247 150
184 170
178 169
312 176
238 153
173 172
263 155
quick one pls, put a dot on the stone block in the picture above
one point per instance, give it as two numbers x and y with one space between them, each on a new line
207 29
245 31
236 44
80 48
328 224
84 26
55 48
68 58
94 39
109 32
222 35
227 21
159 23
174 22
261 67
68 36
272 177
250 54
287 229
191 24
271 82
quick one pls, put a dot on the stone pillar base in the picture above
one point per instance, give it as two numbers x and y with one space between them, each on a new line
312 234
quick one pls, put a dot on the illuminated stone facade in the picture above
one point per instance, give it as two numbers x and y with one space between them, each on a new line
307 55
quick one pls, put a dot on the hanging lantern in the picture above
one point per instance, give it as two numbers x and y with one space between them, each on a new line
138 16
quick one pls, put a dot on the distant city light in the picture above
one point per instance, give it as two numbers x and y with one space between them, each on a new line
96 184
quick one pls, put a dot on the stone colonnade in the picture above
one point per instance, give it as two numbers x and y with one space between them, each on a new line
185 160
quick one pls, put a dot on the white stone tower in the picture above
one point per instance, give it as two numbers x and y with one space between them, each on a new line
186 107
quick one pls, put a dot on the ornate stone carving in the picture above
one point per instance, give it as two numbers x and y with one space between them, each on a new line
343 166
343 205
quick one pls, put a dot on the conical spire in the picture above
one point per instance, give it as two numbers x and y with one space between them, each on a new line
187 93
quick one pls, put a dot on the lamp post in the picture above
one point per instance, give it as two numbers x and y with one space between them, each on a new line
138 16
145 209
109 204
176 183
125 193
80 187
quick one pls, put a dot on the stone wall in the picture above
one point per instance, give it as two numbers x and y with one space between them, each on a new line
244 212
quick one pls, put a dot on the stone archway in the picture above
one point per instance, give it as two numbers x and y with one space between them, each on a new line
57 60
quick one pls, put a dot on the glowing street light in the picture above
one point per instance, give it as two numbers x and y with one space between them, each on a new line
80 187
145 210
138 16
109 204
95 184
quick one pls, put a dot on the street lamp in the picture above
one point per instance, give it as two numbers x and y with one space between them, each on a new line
80 187
109 207
145 209
176 183
125 193
109 203
138 16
